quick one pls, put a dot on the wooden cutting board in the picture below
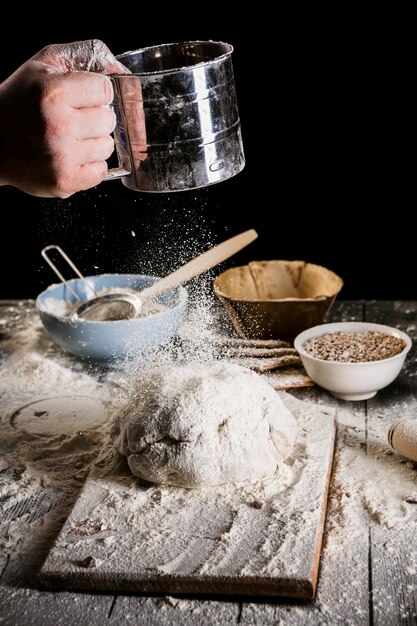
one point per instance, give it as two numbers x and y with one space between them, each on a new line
261 538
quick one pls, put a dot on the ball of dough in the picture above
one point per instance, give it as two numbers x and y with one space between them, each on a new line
204 424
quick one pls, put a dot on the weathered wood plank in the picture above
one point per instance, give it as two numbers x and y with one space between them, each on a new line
175 611
394 549
346 311
28 606
4 558
20 602
342 592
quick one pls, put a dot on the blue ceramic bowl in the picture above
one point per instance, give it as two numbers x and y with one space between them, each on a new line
112 342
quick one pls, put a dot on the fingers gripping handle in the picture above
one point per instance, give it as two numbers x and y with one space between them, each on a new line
121 136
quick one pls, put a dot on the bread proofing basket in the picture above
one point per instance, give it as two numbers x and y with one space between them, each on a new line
277 299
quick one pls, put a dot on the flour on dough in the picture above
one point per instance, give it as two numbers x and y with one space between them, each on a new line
204 424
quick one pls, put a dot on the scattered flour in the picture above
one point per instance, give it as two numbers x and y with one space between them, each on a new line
60 415
41 475
60 308
44 466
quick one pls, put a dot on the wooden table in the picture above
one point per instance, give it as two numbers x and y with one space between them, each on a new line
372 579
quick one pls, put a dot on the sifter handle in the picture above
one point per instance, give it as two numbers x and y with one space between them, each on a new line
121 137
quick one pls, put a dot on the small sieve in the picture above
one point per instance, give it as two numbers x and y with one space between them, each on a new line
124 306
104 308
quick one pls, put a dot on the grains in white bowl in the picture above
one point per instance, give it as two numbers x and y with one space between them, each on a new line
350 347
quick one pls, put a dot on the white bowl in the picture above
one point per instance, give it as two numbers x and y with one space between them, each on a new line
352 381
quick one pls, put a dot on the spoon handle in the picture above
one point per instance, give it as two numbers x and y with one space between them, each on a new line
201 264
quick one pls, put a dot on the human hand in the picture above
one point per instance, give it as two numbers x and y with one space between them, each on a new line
55 119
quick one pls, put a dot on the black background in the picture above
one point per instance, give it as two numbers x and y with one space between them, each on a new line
326 177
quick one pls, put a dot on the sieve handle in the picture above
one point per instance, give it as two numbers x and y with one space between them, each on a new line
117 172
202 263
121 137
44 253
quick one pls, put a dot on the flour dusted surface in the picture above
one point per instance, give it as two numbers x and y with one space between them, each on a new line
267 528
204 424
377 488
